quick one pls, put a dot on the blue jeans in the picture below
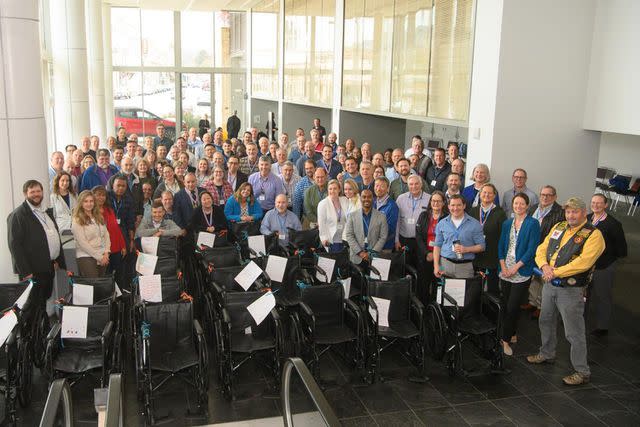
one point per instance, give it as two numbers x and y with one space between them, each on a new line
335 247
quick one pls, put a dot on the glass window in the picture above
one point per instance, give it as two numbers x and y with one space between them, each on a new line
230 39
125 36
411 50
159 100
127 101
196 31
264 44
309 46
157 38
451 56
367 54
196 98
229 91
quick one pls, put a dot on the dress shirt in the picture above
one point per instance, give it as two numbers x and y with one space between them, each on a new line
389 208
333 168
298 195
53 238
391 173
507 199
469 233
266 189
196 147
275 221
290 187
409 209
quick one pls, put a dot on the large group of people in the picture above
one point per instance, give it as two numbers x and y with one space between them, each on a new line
358 198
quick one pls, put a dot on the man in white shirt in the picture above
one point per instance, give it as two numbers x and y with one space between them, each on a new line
410 206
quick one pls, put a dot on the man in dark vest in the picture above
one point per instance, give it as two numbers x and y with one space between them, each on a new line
233 125
567 257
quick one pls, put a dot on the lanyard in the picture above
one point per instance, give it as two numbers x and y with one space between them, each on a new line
116 207
326 168
193 197
252 167
600 219
484 215
209 219
338 212
539 215
220 191
232 181
404 187
262 184
42 219
414 203
365 223
282 222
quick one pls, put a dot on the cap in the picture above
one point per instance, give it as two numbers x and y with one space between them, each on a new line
575 203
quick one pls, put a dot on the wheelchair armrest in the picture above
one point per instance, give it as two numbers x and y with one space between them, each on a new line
198 327
217 288
225 317
319 270
374 270
107 332
54 331
492 299
11 339
450 299
417 303
307 316
411 270
352 306
276 315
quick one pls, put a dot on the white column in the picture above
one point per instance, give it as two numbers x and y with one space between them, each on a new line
108 70
337 67
23 137
71 88
95 54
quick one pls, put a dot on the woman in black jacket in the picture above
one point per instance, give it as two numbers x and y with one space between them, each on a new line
491 217
425 237
207 217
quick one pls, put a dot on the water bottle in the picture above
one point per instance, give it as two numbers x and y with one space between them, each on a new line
458 255
554 282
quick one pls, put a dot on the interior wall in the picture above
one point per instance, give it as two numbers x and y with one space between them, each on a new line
620 152
425 130
295 116
379 131
614 76
540 97
259 110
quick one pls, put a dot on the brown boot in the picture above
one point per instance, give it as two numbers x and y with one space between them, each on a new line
576 379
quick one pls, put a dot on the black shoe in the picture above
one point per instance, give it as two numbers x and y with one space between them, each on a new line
600 332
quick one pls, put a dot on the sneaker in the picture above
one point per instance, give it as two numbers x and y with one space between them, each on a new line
576 379
537 359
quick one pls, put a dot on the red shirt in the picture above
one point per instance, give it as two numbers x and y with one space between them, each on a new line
319 146
115 234
431 233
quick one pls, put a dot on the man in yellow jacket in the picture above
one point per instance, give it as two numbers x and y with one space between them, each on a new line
566 258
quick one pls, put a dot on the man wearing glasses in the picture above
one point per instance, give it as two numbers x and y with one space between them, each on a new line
548 213
234 176
519 179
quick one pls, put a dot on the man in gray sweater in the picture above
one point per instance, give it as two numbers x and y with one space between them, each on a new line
157 226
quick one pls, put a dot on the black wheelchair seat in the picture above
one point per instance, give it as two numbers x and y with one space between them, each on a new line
404 329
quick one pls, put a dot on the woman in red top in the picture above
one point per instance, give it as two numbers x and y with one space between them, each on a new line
118 246
425 236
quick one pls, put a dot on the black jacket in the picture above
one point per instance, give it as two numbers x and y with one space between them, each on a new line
422 230
233 126
555 215
491 228
198 223
28 242
615 242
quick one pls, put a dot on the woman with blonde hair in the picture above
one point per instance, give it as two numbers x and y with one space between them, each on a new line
87 162
203 173
352 193
332 217
480 176
63 201
93 245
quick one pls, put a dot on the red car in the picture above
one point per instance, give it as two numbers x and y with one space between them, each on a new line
142 122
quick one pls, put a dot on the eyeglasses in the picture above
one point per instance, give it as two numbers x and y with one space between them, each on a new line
546 195
519 177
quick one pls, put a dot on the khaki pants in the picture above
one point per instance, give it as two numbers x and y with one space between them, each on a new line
535 292
89 267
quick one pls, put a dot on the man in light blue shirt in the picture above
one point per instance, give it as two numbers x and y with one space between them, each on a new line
279 220
301 187
195 144
458 238
410 206
266 186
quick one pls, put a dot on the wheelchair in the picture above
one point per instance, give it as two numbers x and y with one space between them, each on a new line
15 357
304 244
78 358
451 322
343 269
171 344
399 267
406 326
325 319
240 339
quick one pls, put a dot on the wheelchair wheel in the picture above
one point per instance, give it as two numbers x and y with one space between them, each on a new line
454 359
39 337
435 331
24 374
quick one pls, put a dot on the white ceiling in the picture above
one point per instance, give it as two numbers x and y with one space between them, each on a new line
186 4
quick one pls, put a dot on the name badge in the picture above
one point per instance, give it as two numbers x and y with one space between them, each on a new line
411 221
118 221
312 225
282 236
366 241
431 243
262 198
556 234
433 183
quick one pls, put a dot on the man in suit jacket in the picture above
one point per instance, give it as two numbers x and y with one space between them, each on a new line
366 229
235 177
34 242
186 200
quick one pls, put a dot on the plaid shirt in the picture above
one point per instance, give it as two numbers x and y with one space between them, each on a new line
298 195
227 192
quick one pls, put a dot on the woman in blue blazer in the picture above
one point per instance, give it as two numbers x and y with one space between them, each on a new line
243 207
519 240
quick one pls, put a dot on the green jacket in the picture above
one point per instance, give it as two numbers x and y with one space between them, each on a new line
398 187
312 197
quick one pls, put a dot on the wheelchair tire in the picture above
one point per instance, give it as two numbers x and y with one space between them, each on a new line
39 337
454 359
436 341
24 374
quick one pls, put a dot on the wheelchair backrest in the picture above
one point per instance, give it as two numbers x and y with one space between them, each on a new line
304 239
221 257
168 247
236 304
398 292
166 266
472 296
342 267
104 287
10 292
171 288
239 230
97 318
170 324
326 302
397 269
225 278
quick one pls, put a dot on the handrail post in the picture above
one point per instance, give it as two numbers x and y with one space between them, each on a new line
60 390
115 410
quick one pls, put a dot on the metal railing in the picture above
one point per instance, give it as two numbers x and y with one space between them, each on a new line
115 410
59 391
328 416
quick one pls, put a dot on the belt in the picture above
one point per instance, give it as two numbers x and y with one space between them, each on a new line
459 261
